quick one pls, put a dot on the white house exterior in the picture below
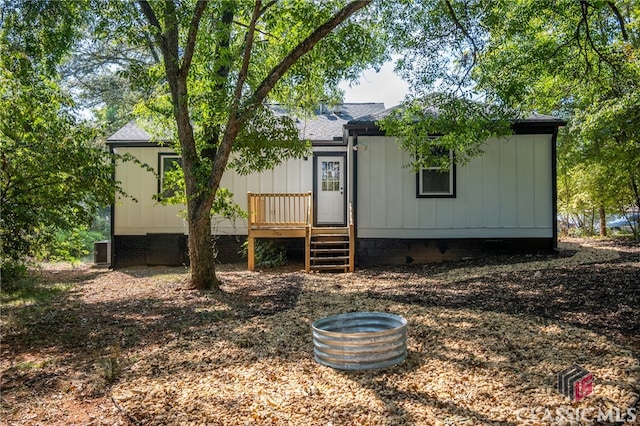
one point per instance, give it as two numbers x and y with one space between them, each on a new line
502 200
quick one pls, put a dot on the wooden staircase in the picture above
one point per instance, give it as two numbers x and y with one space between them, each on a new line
291 216
329 249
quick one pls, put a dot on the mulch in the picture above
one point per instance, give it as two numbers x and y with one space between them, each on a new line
486 339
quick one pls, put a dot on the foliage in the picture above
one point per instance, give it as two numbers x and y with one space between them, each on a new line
268 253
173 193
579 60
70 245
54 174
444 121
221 62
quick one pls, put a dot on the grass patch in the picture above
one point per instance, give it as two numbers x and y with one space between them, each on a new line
33 365
30 291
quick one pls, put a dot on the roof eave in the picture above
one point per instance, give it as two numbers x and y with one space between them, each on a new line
540 126
135 144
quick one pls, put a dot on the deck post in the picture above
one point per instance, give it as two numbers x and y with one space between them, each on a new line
307 249
251 261
251 254
307 240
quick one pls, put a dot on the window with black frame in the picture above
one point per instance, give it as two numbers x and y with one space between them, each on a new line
168 165
437 179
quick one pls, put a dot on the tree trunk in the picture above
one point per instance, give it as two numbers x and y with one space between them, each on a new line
603 221
201 255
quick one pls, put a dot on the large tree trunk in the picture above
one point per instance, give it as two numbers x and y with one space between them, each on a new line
201 254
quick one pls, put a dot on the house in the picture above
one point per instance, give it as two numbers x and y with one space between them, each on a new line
353 201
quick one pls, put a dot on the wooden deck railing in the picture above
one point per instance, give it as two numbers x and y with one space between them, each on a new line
290 216
279 210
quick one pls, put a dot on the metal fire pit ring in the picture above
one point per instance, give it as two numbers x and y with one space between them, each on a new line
360 340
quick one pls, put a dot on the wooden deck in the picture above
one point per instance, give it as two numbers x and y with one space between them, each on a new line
291 216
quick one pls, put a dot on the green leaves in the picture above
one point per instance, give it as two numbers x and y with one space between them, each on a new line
265 141
576 59
439 122
53 173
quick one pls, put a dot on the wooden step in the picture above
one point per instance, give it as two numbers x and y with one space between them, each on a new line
329 250
329 230
344 257
329 243
329 267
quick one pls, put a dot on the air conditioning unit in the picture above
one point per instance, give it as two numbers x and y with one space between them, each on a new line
102 252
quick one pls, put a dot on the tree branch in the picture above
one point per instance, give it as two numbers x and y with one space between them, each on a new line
151 17
459 25
191 38
158 34
620 19
234 122
464 31
304 47
246 58
267 6
222 69
171 37
240 24
238 116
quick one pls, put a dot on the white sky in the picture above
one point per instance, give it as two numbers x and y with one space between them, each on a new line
384 86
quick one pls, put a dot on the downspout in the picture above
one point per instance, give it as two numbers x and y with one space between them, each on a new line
112 212
354 195
554 186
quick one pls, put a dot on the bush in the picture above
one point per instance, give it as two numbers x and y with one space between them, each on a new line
12 270
71 246
268 253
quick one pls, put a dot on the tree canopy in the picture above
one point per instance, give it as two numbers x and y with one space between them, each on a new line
576 59
220 63
54 174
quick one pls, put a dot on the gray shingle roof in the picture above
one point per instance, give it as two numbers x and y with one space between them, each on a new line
324 125
328 124
535 117
130 133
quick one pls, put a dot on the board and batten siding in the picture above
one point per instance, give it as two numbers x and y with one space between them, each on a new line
147 216
143 215
505 193
292 176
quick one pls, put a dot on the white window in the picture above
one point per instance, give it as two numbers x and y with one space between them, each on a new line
435 181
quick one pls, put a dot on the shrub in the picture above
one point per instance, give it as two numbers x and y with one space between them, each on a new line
268 253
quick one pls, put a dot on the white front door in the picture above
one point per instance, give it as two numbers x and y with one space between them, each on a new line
330 190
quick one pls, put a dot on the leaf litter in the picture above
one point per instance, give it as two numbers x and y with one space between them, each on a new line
486 339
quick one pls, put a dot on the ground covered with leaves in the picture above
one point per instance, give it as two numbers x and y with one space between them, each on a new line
91 346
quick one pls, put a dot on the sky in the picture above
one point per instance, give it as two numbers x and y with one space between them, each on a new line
384 86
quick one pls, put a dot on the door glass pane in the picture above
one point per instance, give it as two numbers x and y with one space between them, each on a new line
331 176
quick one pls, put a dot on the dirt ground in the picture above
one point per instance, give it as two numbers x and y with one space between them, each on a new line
486 340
